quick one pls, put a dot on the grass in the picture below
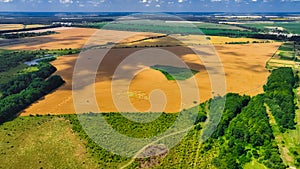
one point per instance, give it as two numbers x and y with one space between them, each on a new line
286 55
29 69
42 142
175 73
140 130
254 165
287 51
6 76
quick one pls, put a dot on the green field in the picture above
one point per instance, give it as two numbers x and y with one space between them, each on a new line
42 142
289 51
290 27
175 73
173 28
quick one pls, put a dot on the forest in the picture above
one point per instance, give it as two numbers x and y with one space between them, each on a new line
279 95
23 89
249 136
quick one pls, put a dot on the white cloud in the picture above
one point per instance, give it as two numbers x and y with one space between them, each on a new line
6 0
66 1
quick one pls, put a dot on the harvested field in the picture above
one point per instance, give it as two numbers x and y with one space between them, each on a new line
17 26
10 26
71 38
244 67
223 40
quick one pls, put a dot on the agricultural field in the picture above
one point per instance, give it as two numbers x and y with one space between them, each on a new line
158 83
289 27
287 55
18 26
170 27
248 58
228 40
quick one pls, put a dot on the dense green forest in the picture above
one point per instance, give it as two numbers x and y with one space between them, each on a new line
12 58
11 105
21 82
26 87
280 96
233 106
249 136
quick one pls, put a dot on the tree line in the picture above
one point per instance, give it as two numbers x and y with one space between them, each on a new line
25 34
249 136
280 96
21 82
11 105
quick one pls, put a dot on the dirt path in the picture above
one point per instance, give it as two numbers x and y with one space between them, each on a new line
141 150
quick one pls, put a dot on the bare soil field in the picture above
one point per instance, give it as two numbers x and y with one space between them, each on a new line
244 67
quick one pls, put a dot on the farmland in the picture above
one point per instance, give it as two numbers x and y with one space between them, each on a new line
230 55
290 27
166 94
18 26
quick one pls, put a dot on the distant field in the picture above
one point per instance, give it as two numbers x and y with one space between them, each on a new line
68 38
11 26
189 40
17 26
206 25
224 40
72 38
173 27
292 27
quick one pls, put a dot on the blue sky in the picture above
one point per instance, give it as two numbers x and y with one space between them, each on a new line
151 5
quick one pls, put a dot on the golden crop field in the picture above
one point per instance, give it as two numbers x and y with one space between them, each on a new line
244 67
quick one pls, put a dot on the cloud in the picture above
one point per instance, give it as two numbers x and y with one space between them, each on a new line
6 1
66 1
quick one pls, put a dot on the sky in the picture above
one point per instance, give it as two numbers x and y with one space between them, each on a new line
150 5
